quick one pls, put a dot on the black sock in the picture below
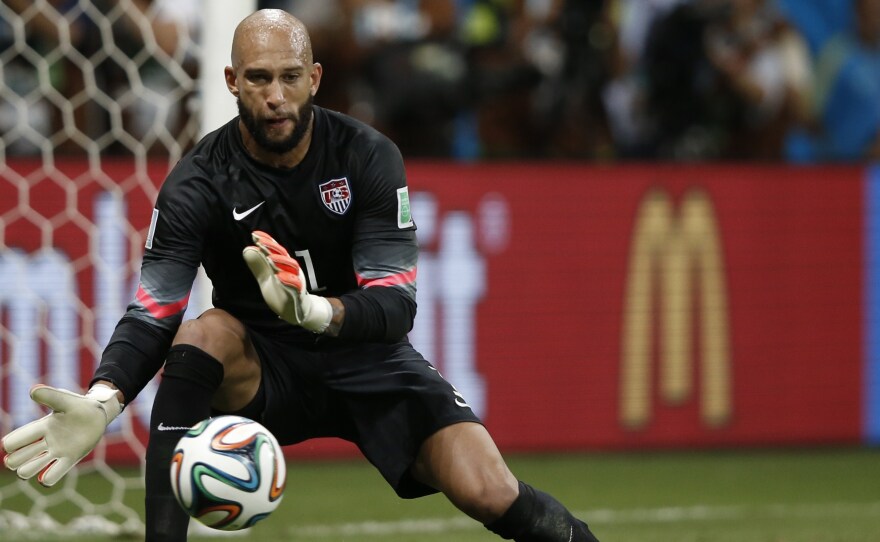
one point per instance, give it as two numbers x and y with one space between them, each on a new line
537 517
184 398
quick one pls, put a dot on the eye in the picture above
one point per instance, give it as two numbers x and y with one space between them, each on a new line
290 77
258 78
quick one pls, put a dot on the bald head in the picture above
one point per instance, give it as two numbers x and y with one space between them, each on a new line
266 30
274 80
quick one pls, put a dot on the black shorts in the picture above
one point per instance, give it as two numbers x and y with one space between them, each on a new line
385 398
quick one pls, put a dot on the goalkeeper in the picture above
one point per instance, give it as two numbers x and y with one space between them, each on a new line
313 205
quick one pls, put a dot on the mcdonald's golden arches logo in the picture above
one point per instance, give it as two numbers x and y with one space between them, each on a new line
680 255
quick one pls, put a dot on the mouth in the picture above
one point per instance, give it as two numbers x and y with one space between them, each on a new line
278 122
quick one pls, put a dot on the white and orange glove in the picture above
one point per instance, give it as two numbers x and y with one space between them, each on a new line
283 285
49 447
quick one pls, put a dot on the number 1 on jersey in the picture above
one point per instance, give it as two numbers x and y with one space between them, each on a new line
310 270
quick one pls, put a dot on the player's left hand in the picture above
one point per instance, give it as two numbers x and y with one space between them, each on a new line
283 284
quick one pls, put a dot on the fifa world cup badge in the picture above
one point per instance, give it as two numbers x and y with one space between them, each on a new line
404 211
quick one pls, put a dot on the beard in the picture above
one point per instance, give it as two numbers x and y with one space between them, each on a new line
257 128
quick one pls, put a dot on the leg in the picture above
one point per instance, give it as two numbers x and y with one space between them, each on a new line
211 363
462 461
392 398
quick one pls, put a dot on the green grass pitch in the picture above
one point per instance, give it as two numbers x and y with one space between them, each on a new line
816 495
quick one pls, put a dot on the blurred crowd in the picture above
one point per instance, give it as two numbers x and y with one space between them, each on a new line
605 80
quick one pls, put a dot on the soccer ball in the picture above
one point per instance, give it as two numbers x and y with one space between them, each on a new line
228 472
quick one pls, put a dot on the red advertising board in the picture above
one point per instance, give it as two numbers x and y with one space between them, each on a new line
551 326
589 307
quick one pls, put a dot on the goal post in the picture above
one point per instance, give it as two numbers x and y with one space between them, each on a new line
220 19
98 100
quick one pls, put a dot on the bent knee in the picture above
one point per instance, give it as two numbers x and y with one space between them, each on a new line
486 497
215 332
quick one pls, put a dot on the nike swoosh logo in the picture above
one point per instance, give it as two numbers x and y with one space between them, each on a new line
238 216
163 427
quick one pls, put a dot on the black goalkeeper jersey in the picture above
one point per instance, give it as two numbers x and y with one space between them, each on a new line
343 212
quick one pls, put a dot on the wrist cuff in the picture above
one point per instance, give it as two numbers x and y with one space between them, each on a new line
108 398
320 314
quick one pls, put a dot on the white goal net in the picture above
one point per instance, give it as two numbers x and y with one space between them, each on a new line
98 98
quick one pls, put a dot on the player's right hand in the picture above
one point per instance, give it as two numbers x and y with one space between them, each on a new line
51 446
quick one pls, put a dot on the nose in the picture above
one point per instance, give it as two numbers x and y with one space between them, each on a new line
275 95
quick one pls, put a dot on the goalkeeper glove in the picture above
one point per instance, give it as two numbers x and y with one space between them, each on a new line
51 446
283 285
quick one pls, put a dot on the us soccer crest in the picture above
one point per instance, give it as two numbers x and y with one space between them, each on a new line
336 195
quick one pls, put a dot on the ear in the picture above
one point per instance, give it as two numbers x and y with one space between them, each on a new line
231 82
315 75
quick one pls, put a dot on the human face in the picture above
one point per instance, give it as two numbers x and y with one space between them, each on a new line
275 87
